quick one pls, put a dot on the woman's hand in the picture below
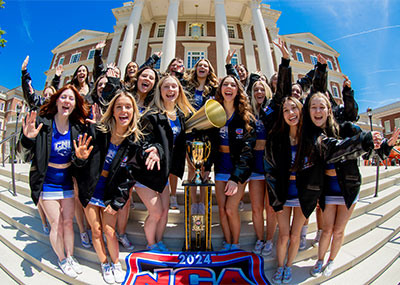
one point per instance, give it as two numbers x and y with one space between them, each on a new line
96 114
29 125
59 70
100 45
81 150
110 210
377 138
321 59
111 70
347 81
231 188
395 135
229 56
282 48
152 158
25 63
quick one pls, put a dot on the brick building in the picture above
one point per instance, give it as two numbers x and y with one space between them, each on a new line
144 27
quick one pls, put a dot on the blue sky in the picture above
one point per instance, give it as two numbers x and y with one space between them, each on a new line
366 33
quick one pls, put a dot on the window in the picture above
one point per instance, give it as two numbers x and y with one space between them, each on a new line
310 42
91 54
314 59
299 56
193 57
75 58
234 59
61 61
330 66
201 29
397 122
335 92
387 127
231 31
2 106
160 31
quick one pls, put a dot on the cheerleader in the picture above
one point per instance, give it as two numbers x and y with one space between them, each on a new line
233 156
163 123
61 119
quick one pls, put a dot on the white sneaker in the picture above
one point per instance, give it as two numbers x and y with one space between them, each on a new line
74 264
119 274
201 209
329 267
258 247
123 239
67 269
303 242
241 206
195 209
107 273
173 204
267 250
316 239
85 240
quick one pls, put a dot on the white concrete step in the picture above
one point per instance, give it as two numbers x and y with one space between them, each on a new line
374 264
21 271
391 276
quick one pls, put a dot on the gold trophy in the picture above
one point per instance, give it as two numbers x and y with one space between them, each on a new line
212 114
199 151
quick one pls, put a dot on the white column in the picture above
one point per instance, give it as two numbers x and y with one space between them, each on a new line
112 54
169 40
130 35
264 51
144 40
249 48
221 33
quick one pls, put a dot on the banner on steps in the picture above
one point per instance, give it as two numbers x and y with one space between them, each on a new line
207 267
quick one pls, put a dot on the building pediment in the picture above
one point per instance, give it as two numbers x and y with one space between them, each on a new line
310 39
79 37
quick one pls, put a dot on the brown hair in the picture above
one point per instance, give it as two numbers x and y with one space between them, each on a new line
211 80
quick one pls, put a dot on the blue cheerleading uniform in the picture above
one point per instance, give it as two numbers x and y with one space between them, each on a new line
58 181
98 195
176 127
198 99
259 172
334 194
293 192
224 167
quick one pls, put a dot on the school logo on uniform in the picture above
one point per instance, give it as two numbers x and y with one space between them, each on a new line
204 267
63 148
239 133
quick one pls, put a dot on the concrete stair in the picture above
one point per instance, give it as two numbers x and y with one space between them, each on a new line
370 252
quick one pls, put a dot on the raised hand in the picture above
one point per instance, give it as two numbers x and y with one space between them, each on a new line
59 70
231 188
282 48
377 138
347 81
321 59
81 150
395 135
29 125
153 158
100 45
96 114
229 56
159 54
25 63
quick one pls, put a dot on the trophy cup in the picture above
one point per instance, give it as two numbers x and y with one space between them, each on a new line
212 114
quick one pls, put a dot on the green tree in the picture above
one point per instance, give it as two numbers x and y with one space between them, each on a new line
2 41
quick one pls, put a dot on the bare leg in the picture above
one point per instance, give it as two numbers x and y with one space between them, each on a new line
257 193
79 212
320 219
232 211
109 222
342 217
42 214
297 224
283 218
173 183
52 208
271 219
329 215
67 210
94 218
223 218
123 215
162 224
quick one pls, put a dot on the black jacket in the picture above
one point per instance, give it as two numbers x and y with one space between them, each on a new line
90 170
310 180
241 144
157 130
38 151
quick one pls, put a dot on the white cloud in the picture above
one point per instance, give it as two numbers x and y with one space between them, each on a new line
366 32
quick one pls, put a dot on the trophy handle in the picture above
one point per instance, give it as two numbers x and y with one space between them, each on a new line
207 150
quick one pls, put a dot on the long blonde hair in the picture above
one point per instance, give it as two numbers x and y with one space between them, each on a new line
107 123
253 101
182 103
